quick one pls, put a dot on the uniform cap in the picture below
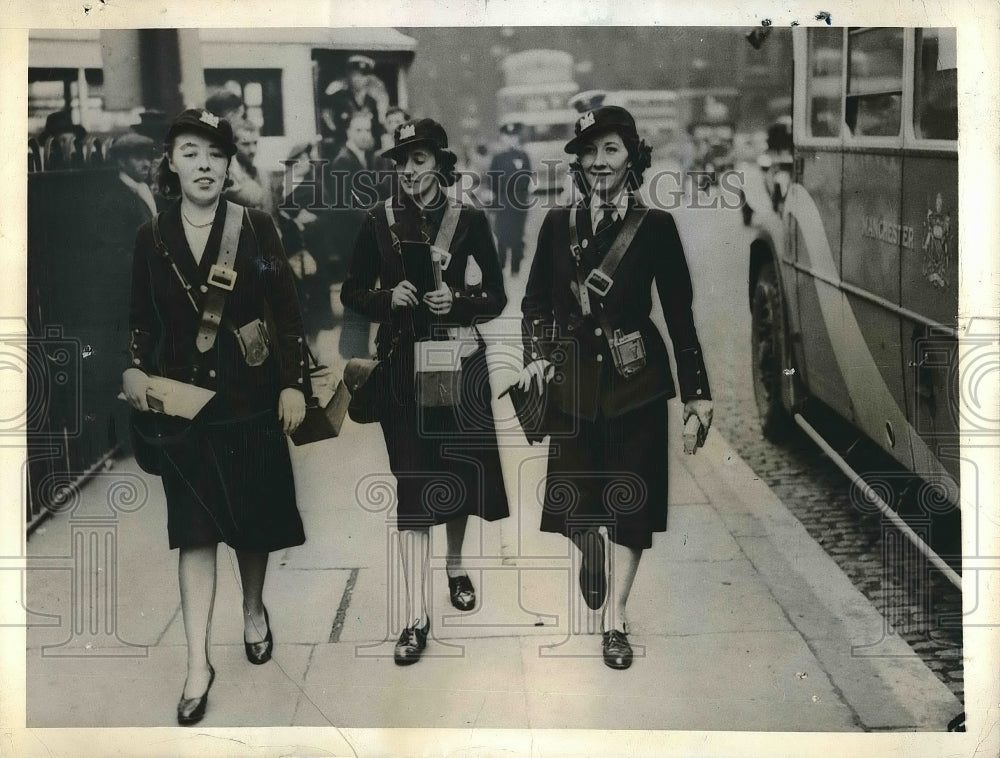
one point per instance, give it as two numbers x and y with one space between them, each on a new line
361 63
424 130
610 118
206 124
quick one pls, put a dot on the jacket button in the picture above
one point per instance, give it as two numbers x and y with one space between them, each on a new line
300 340
598 332
534 355
300 380
203 288
698 392
600 358
584 244
136 362
211 373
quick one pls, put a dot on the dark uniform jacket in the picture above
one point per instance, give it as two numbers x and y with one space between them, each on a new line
164 325
586 383
511 179
377 267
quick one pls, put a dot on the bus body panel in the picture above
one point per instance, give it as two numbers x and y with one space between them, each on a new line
821 180
871 224
929 286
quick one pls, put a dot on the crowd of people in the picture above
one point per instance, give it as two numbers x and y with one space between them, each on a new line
227 287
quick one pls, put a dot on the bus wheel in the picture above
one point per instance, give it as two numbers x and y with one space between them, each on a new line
768 343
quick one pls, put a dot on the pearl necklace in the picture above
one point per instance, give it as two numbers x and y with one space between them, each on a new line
198 226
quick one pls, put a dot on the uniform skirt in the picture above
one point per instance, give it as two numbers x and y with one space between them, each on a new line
445 460
232 482
612 473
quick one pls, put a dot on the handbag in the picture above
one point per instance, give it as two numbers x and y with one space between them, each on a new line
531 407
326 409
363 378
151 432
437 372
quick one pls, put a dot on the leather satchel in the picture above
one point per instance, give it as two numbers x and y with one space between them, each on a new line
437 372
363 378
326 409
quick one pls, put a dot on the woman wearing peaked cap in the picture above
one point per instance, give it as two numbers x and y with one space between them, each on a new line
587 331
229 322
445 459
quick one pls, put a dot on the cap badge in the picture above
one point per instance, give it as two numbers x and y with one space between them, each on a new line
587 120
407 131
211 120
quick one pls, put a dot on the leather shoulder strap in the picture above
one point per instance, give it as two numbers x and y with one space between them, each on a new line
446 232
165 252
621 244
221 279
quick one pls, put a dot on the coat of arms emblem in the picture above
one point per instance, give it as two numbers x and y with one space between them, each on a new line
937 244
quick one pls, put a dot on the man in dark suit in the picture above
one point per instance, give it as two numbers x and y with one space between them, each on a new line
124 205
353 191
342 99
510 177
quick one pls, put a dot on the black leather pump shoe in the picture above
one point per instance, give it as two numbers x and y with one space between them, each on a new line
260 652
191 710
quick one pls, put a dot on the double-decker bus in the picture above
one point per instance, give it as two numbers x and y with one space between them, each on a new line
538 85
655 113
854 286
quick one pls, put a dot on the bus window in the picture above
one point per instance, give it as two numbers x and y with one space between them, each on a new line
823 83
875 82
935 91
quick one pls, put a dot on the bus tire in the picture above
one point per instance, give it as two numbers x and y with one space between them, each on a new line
768 354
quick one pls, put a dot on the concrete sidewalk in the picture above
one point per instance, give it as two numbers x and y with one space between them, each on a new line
740 620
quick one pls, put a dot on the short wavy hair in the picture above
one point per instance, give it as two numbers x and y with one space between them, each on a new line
168 182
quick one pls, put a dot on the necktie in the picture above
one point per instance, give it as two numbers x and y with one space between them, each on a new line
605 219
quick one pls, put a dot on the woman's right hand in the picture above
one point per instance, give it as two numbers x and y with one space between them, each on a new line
404 295
539 371
134 384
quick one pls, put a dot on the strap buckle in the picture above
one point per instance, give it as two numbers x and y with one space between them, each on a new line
223 278
575 250
599 282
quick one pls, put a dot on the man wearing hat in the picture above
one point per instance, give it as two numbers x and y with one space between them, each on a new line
67 141
342 99
226 104
124 205
510 177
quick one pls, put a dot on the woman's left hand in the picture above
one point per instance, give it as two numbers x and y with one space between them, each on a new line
702 409
439 301
291 409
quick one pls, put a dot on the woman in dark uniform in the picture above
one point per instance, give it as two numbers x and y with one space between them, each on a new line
445 459
608 366
227 475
